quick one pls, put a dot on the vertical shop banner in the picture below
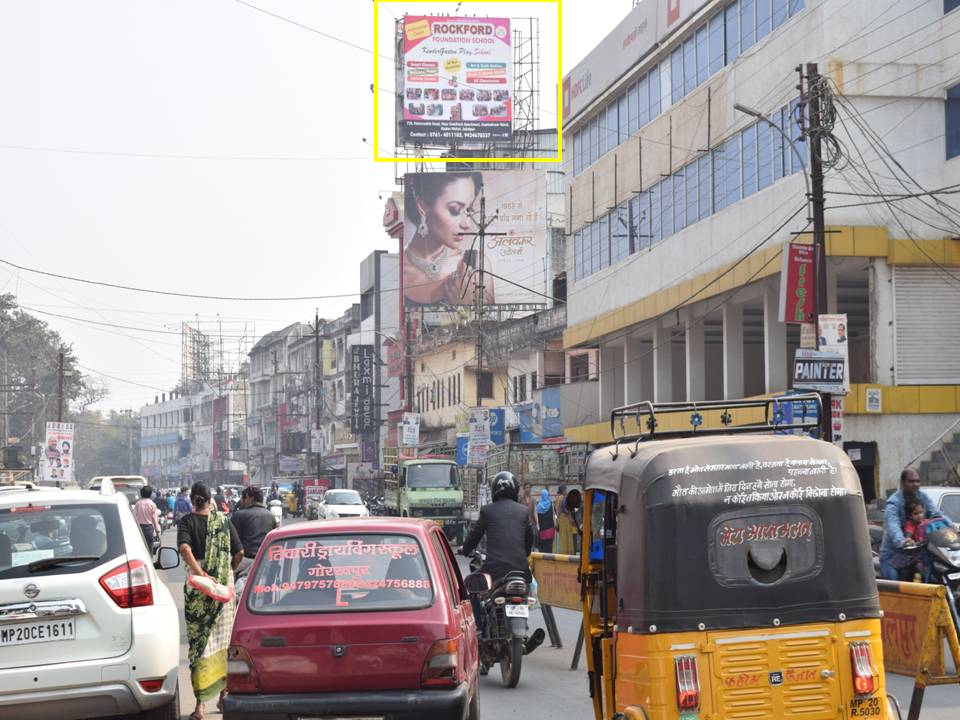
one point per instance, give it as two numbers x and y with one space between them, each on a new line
410 429
363 416
57 461
478 440
442 253
456 81
550 412
463 441
395 350
833 338
797 284
498 421
836 420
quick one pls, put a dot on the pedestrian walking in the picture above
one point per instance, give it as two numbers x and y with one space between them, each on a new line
181 506
145 513
211 548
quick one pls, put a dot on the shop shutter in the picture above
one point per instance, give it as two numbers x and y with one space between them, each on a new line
927 324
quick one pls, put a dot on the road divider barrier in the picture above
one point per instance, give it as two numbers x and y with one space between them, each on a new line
558 585
917 619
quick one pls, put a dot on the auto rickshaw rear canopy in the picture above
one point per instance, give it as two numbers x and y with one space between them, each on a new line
735 530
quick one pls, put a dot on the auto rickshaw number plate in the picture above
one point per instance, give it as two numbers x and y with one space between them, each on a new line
865 707
516 610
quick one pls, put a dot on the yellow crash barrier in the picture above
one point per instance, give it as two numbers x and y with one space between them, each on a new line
917 619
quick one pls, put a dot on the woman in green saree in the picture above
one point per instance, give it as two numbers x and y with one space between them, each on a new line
210 547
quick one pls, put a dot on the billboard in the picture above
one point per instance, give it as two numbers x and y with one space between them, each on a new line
363 417
442 246
456 81
57 460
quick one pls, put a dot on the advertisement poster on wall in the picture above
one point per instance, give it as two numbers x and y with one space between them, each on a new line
441 247
797 284
57 461
833 338
456 80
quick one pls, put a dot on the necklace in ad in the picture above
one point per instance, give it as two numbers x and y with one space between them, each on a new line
430 268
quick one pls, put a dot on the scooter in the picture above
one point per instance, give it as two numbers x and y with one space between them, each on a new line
503 621
276 507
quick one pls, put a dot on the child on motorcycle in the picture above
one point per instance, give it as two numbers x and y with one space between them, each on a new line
915 528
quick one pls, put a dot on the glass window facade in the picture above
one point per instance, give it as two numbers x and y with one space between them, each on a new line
952 124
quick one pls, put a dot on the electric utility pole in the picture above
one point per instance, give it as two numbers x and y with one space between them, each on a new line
482 236
60 388
316 385
814 132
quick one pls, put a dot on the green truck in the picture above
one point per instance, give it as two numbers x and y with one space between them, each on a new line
427 486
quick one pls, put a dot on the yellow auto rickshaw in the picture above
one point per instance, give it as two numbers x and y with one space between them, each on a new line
726 572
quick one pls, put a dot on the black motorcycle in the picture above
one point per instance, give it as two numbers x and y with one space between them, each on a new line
502 624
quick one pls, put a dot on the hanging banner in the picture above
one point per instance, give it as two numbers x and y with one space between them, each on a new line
56 463
498 421
394 350
478 436
456 78
363 415
818 370
833 338
410 429
836 420
797 284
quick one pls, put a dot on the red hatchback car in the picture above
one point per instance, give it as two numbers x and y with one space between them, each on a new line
354 618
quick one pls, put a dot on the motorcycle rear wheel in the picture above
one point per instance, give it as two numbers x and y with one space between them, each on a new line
510 663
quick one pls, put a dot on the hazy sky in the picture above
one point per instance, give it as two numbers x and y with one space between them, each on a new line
203 147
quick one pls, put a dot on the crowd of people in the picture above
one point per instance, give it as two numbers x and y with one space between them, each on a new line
556 519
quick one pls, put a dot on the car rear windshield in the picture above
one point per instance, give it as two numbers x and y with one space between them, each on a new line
341 573
342 498
439 475
36 531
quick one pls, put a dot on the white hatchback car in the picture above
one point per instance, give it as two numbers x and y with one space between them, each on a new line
341 504
85 621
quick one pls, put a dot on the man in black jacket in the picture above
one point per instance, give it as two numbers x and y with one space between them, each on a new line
253 521
507 526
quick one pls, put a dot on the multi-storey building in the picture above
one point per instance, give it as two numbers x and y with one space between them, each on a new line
681 206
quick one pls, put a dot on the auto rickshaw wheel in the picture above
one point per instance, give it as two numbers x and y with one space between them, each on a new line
510 663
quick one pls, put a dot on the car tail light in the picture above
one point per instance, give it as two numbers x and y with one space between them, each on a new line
688 682
441 668
129 585
864 671
152 685
241 672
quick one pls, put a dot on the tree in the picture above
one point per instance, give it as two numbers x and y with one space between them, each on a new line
108 444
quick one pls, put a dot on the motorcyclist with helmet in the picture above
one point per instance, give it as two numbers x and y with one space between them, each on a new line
507 526
509 531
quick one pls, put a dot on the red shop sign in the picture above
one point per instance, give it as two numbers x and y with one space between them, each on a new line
797 284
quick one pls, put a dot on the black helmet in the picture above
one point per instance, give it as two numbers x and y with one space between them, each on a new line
504 485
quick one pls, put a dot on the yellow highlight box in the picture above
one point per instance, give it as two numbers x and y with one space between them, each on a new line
414 29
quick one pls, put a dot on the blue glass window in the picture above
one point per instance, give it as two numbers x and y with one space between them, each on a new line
666 208
676 75
716 43
952 121
620 233
656 231
643 100
679 201
703 56
782 151
622 115
795 7
665 101
577 250
594 247
949 5
608 132
763 19
604 242
633 123
764 155
633 210
594 139
641 220
654 76
576 153
719 178
731 153
731 15
779 15
689 65
693 198
748 157
705 183
747 26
